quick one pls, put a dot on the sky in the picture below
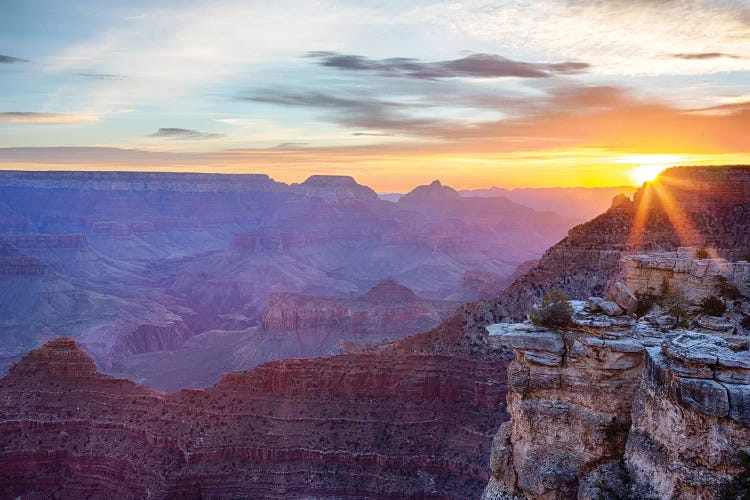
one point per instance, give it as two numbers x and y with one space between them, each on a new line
513 93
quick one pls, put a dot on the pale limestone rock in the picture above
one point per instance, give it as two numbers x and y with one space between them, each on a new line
697 278
686 432
610 308
621 295
680 401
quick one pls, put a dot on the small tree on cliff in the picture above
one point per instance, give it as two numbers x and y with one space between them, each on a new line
676 304
554 311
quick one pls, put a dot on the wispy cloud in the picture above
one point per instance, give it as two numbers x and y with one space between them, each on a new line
11 60
291 145
183 134
698 56
472 66
44 118
104 76
355 111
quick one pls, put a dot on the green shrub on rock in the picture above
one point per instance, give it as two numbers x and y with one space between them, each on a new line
713 306
554 311
675 303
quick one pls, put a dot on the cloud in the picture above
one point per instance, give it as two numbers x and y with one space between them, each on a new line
355 111
704 55
611 35
11 60
44 118
472 66
104 76
291 145
371 134
183 134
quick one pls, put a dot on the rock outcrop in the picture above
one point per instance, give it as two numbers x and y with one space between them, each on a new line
569 398
611 406
691 416
683 270
683 207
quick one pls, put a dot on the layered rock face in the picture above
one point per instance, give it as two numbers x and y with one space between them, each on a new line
682 270
388 311
691 416
569 398
683 207
413 419
611 406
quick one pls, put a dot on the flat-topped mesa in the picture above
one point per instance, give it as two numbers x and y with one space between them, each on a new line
334 188
702 187
696 277
57 357
141 181
608 391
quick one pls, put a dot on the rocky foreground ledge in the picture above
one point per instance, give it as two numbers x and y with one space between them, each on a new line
612 406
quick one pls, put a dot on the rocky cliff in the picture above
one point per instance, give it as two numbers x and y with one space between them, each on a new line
685 206
614 406
413 419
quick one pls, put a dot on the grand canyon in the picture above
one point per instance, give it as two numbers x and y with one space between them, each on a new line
350 250
375 416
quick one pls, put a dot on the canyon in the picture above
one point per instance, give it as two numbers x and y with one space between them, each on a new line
134 265
412 419
417 417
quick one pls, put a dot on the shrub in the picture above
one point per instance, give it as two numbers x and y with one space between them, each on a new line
646 302
727 289
713 306
675 304
554 311
702 253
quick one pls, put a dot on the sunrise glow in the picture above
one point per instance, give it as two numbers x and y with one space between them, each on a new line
565 95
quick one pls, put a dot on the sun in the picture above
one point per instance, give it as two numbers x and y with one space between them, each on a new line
646 173
647 167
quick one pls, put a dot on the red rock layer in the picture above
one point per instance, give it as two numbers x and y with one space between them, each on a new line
388 310
413 419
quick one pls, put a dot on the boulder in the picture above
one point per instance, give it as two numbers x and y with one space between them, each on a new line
594 303
623 297
610 308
